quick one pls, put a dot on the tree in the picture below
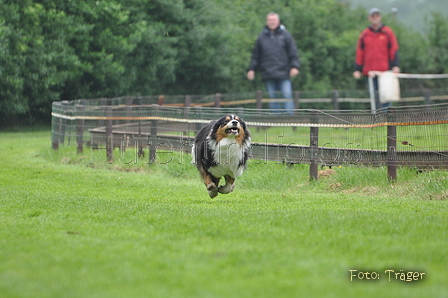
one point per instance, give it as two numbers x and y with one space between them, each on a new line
438 40
65 50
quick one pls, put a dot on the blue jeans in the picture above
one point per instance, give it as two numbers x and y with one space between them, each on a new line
285 87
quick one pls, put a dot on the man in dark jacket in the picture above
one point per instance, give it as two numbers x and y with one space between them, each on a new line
275 56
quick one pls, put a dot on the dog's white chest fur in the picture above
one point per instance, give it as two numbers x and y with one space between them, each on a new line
227 153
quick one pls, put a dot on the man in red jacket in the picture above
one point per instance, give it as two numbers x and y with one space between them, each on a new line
377 49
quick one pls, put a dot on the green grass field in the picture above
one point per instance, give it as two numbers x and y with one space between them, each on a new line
75 226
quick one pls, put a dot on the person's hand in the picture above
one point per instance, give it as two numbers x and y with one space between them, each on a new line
396 69
374 73
357 74
250 75
293 72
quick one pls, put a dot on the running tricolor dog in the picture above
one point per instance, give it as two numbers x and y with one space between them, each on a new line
221 149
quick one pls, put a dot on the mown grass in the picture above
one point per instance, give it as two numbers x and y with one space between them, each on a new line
76 226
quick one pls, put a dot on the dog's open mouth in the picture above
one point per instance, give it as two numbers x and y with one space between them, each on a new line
232 131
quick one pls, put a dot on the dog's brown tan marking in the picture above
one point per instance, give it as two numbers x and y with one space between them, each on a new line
205 176
229 180
229 186
240 138
209 182
221 133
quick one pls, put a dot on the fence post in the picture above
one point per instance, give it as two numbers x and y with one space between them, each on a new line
128 109
427 96
65 107
296 99
335 100
218 100
153 137
187 109
314 141
109 135
259 97
139 103
103 103
391 146
80 128
198 112
314 147
56 129
56 132
187 100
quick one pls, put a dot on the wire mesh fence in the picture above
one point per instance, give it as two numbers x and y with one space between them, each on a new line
397 136
319 137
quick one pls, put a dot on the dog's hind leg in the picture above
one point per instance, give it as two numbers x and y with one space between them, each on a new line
229 186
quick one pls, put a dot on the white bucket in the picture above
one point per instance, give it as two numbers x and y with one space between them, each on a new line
389 87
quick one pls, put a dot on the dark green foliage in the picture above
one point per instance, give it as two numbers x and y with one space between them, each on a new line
438 38
411 13
65 50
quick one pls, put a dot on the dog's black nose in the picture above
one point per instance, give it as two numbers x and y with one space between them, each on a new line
234 122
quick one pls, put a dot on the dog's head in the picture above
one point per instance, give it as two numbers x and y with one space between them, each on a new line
230 126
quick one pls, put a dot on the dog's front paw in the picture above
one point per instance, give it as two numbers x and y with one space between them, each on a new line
226 188
212 190
211 186
213 193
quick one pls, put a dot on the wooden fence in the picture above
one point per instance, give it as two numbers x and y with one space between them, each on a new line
148 127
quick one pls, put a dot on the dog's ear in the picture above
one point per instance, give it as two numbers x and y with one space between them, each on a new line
216 125
220 122
243 124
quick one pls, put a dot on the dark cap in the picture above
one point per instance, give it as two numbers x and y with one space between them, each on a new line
373 11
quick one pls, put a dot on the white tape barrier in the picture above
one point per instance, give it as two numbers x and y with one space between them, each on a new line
389 86
409 75
421 76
